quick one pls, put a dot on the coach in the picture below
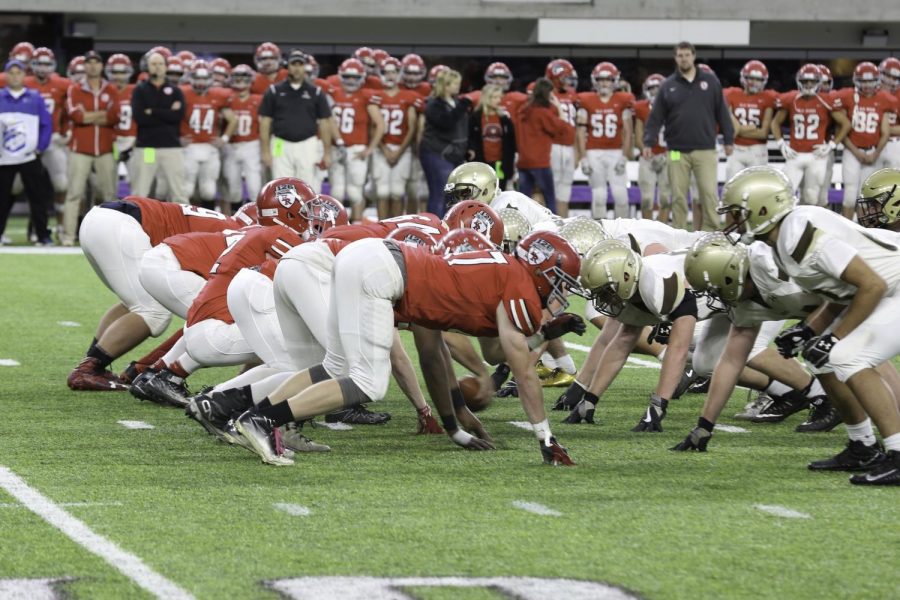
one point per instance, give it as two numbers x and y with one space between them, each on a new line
291 114
158 108
689 106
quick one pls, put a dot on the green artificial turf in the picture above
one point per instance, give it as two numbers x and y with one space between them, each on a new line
386 502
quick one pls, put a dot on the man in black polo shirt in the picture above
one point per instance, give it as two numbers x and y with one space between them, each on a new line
158 108
291 114
690 106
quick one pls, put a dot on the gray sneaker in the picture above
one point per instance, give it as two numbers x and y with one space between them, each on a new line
755 407
292 439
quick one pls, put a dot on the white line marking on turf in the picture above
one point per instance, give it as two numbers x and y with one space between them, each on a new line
522 425
135 424
128 564
38 250
731 429
66 504
8 362
295 510
68 323
336 426
538 509
781 511
638 361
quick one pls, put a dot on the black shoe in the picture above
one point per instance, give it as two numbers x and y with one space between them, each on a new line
357 415
855 457
823 416
583 411
887 473
687 380
214 410
263 437
570 398
167 388
700 386
782 407
138 385
499 376
653 416
510 390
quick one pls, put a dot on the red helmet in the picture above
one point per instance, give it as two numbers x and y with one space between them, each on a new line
241 77
499 74
866 78
379 55
412 68
187 58
463 240
827 79
651 85
200 76
561 74
322 213
553 264
472 214
22 51
267 57
43 62
389 66
809 79
174 65
312 67
366 56
889 69
605 77
165 52
434 71
413 236
754 76
281 202
119 67
706 68
247 214
75 69
352 74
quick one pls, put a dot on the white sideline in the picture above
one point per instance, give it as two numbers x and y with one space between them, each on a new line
781 511
731 429
135 424
295 510
638 361
538 509
126 563
8 362
38 250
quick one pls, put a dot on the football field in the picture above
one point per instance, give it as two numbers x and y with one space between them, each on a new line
102 496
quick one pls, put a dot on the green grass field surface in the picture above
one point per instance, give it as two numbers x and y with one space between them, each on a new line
388 503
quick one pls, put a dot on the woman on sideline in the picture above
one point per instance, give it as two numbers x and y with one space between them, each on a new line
492 137
445 138
540 122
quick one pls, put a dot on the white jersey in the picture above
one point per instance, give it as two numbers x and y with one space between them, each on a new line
777 296
661 290
640 233
531 210
815 245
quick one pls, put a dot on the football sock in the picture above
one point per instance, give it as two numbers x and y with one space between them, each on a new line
575 391
280 413
548 360
264 403
188 364
816 389
892 442
592 398
776 388
707 425
160 350
102 357
93 343
260 390
566 363
862 432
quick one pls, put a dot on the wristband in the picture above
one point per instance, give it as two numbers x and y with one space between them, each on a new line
461 437
542 431
449 422
457 398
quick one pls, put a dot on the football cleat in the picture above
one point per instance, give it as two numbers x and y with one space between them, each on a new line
292 439
554 454
754 407
700 386
557 378
823 416
509 390
542 371
687 380
264 438
570 398
89 376
697 440
133 370
137 385
887 473
500 374
165 387
583 411
652 419
782 407
357 415
855 457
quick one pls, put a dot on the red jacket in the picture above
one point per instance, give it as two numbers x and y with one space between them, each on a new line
538 128
89 138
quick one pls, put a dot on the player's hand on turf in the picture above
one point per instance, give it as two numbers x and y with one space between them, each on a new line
427 424
792 340
563 324
554 454
469 441
695 440
472 424
652 419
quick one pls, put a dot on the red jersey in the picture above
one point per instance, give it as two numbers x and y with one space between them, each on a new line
642 112
749 109
352 115
462 292
198 252
246 111
865 114
604 126
262 82
160 220
252 246
126 127
426 222
394 112
53 91
423 89
568 100
809 118
202 113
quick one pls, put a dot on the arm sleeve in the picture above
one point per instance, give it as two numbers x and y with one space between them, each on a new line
656 119
45 124
723 116
832 255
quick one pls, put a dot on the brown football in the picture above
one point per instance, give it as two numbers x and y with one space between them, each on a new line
468 385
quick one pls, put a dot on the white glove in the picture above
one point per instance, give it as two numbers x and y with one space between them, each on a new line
823 150
620 165
586 166
786 151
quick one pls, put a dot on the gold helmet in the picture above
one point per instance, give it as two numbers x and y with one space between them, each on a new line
610 272
879 199
758 197
583 233
472 181
718 269
515 227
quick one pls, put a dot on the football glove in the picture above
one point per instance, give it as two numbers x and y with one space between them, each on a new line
652 419
583 411
823 150
696 440
427 423
792 340
818 349
563 324
660 333
786 151
554 454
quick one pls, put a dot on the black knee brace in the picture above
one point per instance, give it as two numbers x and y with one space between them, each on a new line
318 373
353 396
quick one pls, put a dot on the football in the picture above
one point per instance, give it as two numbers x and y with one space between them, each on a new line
468 385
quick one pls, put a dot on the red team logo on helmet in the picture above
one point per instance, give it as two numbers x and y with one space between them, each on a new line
651 85
280 202
463 240
366 56
499 74
554 266
413 236
472 214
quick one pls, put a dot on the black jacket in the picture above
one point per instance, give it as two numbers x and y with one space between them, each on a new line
476 143
159 129
447 129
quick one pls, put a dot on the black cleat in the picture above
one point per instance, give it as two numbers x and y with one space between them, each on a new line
687 380
500 375
167 388
510 390
697 440
855 457
782 407
137 385
700 386
570 398
263 437
653 416
357 415
823 416
583 411
887 473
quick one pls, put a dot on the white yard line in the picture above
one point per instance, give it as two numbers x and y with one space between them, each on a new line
8 362
126 563
68 324
637 361
731 429
295 510
336 426
38 250
66 504
135 424
781 511
538 509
